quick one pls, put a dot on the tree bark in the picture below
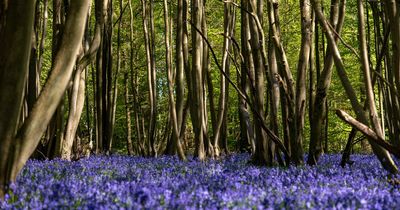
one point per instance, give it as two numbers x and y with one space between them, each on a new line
301 90
320 112
150 72
28 136
228 33
129 144
172 107
372 135
197 92
15 39
246 130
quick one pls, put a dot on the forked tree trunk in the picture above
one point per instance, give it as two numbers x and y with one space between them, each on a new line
208 144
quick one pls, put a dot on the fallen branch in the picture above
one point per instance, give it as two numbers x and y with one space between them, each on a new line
368 132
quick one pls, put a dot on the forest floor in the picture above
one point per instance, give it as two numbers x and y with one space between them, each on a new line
122 182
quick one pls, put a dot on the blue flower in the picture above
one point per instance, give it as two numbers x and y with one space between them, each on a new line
120 182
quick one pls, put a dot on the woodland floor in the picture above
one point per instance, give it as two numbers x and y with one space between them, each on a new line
122 182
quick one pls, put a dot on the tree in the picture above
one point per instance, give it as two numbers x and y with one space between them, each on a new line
19 141
382 154
176 124
336 21
197 108
149 41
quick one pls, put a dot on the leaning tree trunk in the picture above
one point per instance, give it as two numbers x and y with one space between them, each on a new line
16 147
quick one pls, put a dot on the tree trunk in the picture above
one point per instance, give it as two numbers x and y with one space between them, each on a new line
301 90
17 147
228 33
149 39
75 111
323 84
246 130
261 155
129 144
197 92
382 154
15 39
172 107
288 91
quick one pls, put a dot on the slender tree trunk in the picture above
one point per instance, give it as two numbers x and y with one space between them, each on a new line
392 17
228 32
172 107
375 121
32 85
55 130
149 46
114 88
153 125
75 111
134 82
246 129
129 144
261 155
323 84
301 90
197 93
273 77
208 144
288 94
108 80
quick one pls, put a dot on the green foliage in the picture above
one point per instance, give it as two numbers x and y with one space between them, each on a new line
291 38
